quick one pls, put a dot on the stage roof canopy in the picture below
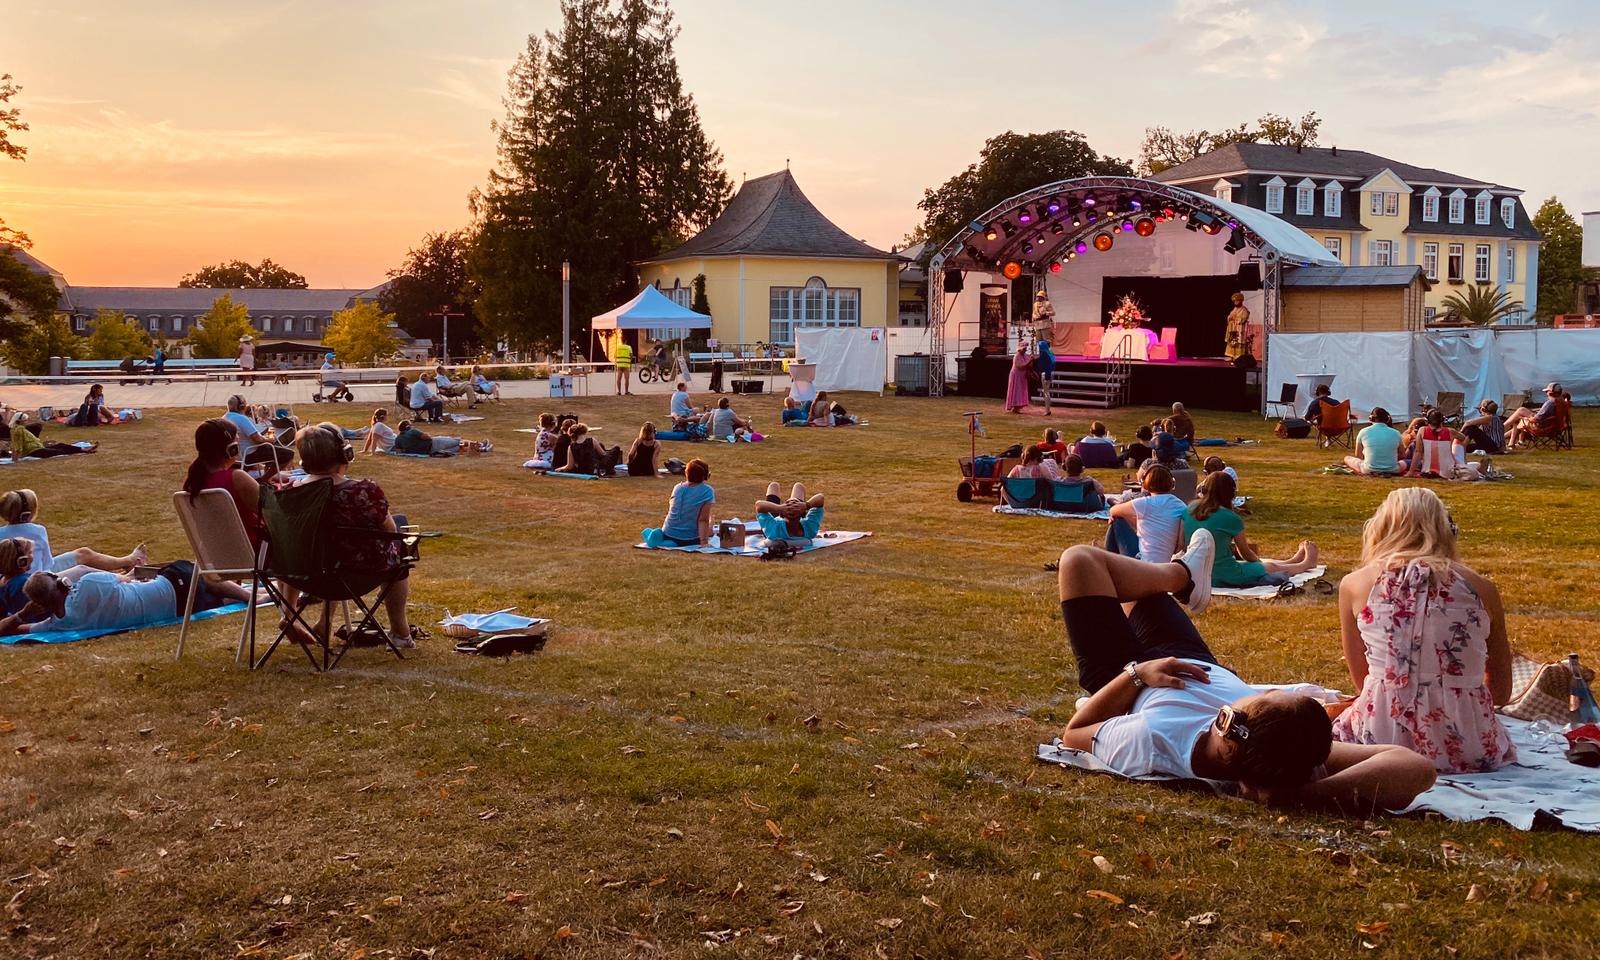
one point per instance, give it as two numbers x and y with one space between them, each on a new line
651 310
1062 221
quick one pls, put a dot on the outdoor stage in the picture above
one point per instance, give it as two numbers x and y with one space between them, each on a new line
1203 384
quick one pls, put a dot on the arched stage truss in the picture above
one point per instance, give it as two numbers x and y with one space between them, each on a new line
1046 229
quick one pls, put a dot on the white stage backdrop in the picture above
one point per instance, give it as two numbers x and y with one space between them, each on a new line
1398 370
847 358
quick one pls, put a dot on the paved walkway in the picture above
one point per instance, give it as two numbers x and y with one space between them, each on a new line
215 393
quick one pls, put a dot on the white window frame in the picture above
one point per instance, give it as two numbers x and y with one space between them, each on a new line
1508 269
1223 190
1480 209
177 324
1375 204
1458 207
1482 259
1274 202
1430 205
1391 204
1382 253
813 305
1334 245
1428 313
1430 262
1305 198
1508 212
1456 263
79 323
1333 199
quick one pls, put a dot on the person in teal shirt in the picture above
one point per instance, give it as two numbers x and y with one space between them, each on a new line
1237 563
1377 447
796 521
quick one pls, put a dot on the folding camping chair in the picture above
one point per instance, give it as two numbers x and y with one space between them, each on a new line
1335 428
1450 404
1511 401
222 548
1558 434
1285 402
303 553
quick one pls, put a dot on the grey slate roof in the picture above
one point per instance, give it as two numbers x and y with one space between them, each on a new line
1311 161
1395 276
770 216
199 299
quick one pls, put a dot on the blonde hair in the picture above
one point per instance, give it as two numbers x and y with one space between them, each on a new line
19 506
1412 525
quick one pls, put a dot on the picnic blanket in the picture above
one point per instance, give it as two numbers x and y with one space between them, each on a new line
68 636
1541 789
1267 593
1339 469
752 547
622 471
80 444
461 417
807 423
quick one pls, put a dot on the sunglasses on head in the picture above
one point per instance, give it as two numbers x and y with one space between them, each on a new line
1231 724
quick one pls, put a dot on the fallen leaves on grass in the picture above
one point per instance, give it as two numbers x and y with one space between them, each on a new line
515 896
1375 929
565 932
758 808
775 830
1108 897
1102 863
393 901
890 923
6 726
1475 894
1207 919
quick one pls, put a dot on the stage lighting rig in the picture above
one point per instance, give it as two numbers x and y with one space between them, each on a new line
1235 242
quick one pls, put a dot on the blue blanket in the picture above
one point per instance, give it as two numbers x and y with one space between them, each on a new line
68 636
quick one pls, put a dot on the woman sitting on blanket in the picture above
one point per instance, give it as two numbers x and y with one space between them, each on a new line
1036 466
357 505
820 410
20 511
723 424
93 411
1237 563
412 440
483 386
27 442
380 436
1216 464
216 467
1097 434
1161 705
688 520
1141 449
1424 637
586 455
544 444
796 521
644 452
1378 447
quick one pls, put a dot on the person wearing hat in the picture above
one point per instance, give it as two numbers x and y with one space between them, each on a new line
328 382
247 359
1238 329
1521 419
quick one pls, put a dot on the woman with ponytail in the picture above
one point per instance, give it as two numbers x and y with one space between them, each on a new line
216 467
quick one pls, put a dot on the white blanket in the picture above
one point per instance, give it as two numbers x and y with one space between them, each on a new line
1267 593
1541 788
1103 514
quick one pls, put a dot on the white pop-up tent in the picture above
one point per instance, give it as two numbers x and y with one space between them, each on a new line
651 310
846 358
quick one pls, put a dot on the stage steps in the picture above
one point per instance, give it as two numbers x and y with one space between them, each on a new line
1104 388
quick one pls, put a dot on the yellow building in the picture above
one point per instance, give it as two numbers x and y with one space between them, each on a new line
1373 211
773 263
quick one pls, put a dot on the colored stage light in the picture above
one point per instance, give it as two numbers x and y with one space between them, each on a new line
992 233
1081 247
1057 229
1077 221
1053 205
1103 242
1027 248
1168 212
1012 270
1089 200
1136 203
1144 227
1055 267
1091 216
1025 216
1127 226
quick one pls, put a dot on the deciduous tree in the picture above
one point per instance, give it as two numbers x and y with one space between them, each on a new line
33 346
1008 165
602 161
217 332
1164 148
361 334
1560 259
113 336
239 275
10 123
434 274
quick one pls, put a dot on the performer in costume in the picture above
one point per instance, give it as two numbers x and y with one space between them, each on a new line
1238 329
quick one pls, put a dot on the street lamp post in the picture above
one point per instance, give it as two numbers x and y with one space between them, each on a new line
445 313
566 313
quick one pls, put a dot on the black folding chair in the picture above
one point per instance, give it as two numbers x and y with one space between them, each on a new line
303 552
1285 401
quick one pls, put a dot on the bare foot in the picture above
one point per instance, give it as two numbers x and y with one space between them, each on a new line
138 557
296 633
1309 550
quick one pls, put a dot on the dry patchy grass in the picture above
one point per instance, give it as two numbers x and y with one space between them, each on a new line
830 757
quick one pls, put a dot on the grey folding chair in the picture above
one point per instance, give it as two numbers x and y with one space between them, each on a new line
221 548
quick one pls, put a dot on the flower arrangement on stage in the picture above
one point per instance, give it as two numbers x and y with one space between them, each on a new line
1128 314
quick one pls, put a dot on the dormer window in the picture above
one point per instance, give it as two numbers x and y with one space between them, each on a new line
1480 209
1275 195
1305 195
1332 199
1430 205
1458 207
1508 212
1223 190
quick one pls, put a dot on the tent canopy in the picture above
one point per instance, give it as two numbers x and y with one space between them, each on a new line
651 310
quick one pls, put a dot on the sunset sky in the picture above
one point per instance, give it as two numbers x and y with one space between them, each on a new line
332 135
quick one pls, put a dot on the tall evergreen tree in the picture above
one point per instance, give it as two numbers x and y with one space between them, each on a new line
601 161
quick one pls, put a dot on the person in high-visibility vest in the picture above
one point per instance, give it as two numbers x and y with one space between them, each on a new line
622 358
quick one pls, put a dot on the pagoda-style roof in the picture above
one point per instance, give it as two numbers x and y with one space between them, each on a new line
770 216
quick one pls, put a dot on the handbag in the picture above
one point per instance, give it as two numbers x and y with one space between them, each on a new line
1539 691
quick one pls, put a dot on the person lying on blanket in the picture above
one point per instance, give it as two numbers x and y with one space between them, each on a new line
19 511
27 443
796 521
1161 705
83 598
411 439
688 520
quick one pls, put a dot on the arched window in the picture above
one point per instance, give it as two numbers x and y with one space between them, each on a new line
813 305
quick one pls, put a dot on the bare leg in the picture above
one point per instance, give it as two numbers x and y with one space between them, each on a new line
1307 558
1356 464
1089 572
772 490
798 493
85 557
395 605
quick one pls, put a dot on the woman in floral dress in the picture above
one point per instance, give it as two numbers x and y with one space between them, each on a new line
1425 640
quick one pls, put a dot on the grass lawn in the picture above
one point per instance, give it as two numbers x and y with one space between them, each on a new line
830 757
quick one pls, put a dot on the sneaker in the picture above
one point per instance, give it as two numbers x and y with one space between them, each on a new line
407 642
1197 560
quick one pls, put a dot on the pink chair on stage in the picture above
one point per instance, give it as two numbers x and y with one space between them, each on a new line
1166 350
1091 344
